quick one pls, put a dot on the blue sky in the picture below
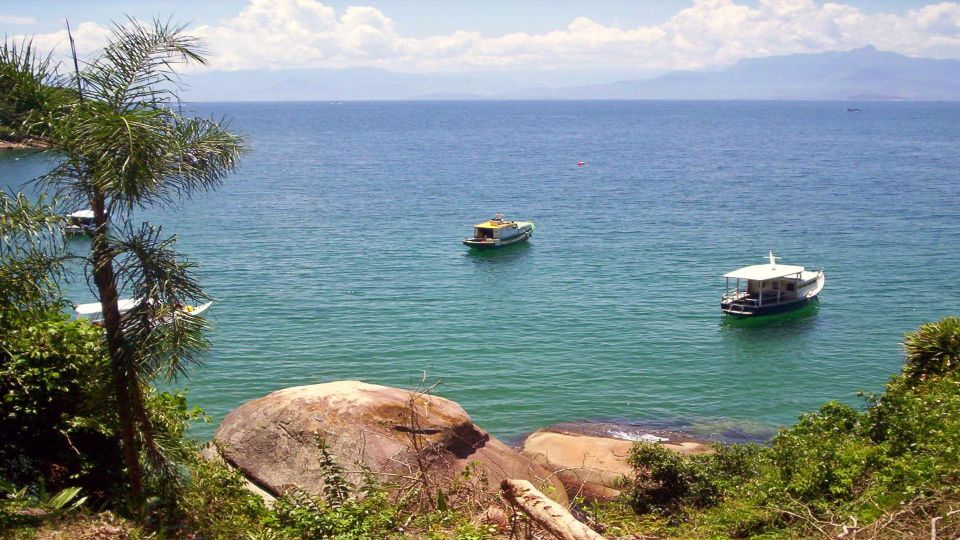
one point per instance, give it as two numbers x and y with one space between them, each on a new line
457 35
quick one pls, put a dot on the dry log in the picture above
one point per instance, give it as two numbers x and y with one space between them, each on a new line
544 512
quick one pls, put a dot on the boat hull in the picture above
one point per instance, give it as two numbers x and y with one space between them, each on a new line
72 230
486 244
736 310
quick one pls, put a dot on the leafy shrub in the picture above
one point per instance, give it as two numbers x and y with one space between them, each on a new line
824 457
340 513
302 515
216 504
56 430
666 481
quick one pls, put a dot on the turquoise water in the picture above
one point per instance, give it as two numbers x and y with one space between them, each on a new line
335 253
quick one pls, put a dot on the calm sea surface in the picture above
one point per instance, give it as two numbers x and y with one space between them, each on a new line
334 253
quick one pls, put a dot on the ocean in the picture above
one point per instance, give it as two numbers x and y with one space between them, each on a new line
334 253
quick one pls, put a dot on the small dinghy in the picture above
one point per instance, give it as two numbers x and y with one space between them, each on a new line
94 312
764 289
499 232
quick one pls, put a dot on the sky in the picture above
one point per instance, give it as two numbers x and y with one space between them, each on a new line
461 36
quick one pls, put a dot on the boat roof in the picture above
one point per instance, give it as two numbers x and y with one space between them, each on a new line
494 224
124 304
763 272
82 214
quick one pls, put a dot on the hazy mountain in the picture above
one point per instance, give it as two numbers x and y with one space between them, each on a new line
857 74
376 84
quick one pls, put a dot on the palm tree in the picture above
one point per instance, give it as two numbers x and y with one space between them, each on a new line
122 148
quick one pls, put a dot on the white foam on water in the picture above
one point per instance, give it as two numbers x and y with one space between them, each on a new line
644 437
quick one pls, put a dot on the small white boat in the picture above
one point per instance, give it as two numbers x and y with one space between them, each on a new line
79 222
499 232
763 289
94 310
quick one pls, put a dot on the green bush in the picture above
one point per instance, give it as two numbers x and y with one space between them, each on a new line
57 432
216 504
301 515
824 457
668 482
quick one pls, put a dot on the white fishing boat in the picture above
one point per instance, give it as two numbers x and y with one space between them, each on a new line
79 222
763 289
499 232
94 311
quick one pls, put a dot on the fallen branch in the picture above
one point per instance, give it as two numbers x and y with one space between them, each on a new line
544 512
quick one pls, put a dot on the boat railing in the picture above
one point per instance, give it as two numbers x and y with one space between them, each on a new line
755 300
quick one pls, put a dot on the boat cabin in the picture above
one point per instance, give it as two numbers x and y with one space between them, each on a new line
495 228
80 221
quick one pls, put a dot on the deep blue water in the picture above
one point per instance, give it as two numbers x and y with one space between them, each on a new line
334 252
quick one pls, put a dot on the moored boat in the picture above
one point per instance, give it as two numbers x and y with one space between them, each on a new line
94 311
79 222
499 232
764 289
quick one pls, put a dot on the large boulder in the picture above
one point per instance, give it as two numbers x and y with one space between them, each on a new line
399 435
590 464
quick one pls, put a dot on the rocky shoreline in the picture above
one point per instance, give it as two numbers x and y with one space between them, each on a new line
415 440
25 144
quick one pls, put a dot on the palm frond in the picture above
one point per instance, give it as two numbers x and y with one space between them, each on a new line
166 339
32 253
138 66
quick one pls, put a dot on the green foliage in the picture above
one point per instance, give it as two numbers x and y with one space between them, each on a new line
215 503
899 459
336 487
57 431
824 457
338 513
22 508
31 257
933 349
301 515
30 91
667 482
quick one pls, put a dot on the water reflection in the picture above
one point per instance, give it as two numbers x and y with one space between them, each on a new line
798 320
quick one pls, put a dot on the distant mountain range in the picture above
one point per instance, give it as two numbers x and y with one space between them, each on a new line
859 74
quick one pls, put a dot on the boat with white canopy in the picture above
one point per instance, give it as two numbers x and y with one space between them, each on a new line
763 289
79 222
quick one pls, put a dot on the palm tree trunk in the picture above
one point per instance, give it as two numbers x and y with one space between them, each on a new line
120 363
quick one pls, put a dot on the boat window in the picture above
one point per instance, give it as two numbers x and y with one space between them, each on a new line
484 233
790 286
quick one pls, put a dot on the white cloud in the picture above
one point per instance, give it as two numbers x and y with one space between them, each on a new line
88 37
708 33
14 19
